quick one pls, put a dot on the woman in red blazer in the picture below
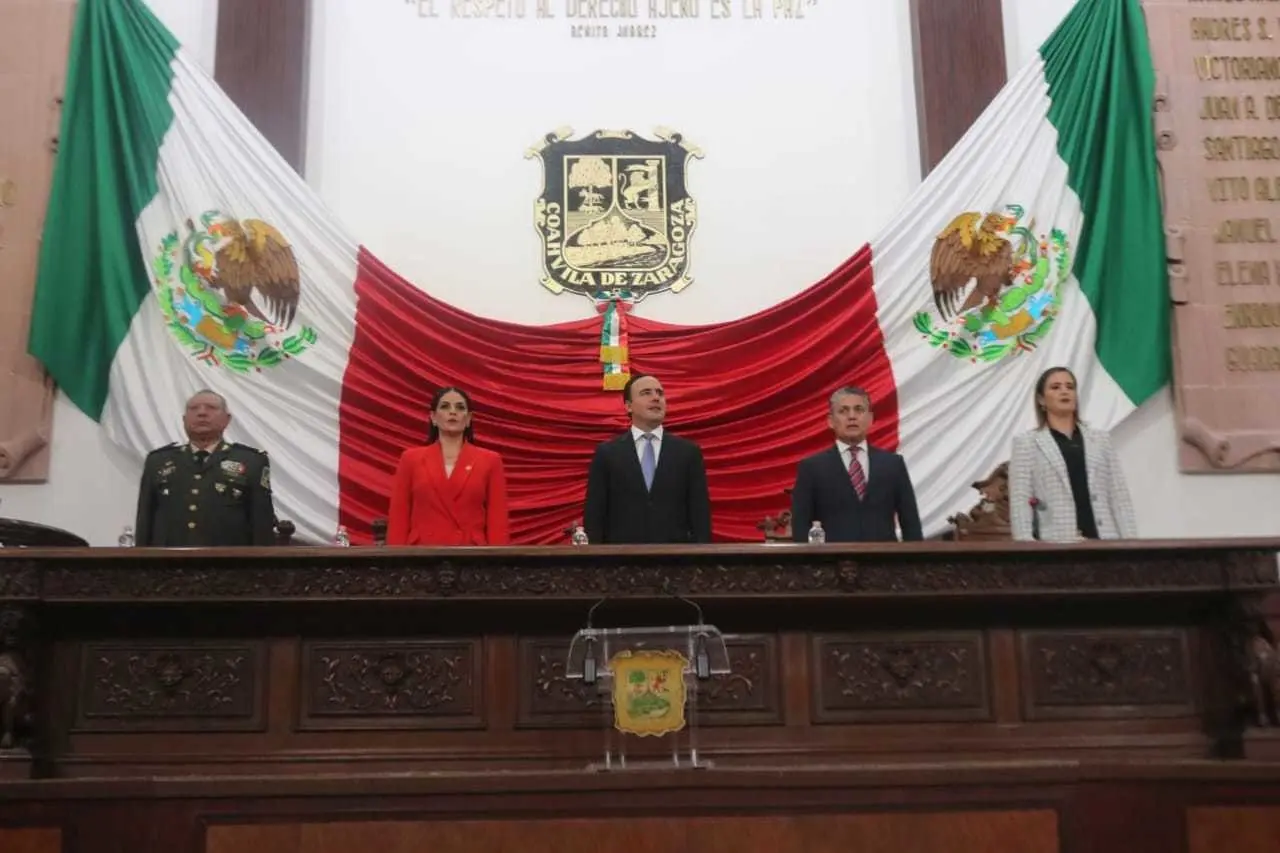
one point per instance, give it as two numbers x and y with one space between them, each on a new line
449 492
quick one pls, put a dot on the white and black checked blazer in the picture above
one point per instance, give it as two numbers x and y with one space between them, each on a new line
1037 471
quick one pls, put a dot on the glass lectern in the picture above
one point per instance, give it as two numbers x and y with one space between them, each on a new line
648 681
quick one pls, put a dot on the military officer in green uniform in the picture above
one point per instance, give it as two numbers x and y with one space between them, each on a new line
206 493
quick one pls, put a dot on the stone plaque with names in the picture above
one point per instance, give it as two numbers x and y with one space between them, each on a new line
1217 123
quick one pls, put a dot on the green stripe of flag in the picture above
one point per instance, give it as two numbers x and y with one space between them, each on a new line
1102 89
92 277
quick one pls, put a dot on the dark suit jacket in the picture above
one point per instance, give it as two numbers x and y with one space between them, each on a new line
619 509
824 492
224 501
468 507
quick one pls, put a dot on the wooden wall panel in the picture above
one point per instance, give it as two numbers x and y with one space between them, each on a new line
1106 674
255 838
1025 831
900 677
31 840
261 63
1239 829
385 684
960 66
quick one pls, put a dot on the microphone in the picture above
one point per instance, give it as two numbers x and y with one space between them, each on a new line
592 612
667 590
590 667
701 659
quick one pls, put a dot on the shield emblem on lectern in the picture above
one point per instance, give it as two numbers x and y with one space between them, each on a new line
648 692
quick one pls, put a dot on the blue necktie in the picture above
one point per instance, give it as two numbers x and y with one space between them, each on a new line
648 462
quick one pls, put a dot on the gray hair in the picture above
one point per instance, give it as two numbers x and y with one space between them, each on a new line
211 393
847 391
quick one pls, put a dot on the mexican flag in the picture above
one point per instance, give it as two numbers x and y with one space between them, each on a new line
181 252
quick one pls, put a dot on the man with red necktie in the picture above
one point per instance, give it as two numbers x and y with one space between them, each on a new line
858 492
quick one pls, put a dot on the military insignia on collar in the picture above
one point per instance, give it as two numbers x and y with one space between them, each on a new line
232 467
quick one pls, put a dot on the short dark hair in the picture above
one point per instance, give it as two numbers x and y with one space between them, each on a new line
847 390
1042 417
626 389
433 431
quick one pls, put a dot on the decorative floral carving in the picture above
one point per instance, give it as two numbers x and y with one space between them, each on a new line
870 677
16 689
391 679
19 579
697 572
124 682
743 686
552 694
1131 668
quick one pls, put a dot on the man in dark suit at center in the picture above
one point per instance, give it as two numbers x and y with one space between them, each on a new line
857 491
647 486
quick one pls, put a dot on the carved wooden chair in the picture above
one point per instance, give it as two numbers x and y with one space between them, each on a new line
988 521
777 528
284 531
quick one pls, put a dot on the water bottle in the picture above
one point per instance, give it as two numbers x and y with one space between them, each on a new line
126 539
817 536
579 536
343 539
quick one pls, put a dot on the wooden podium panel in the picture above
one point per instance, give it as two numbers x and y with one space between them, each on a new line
955 832
1000 696
286 660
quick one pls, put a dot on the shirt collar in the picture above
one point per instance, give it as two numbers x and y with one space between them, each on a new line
843 447
636 432
192 447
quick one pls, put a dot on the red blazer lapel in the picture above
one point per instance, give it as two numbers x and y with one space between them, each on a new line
441 487
457 482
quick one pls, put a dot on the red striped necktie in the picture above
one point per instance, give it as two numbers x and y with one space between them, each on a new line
856 475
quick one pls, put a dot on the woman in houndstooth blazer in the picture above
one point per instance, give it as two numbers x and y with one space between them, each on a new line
1065 483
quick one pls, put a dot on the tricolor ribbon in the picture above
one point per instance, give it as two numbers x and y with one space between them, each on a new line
613 338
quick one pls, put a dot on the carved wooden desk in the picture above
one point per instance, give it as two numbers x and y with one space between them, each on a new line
276 661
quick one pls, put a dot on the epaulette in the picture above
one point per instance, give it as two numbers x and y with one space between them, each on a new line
171 446
238 446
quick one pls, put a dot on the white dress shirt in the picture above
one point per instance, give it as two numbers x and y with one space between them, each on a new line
637 435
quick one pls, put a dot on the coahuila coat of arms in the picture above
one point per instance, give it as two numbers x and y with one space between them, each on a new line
1016 277
648 691
206 285
615 216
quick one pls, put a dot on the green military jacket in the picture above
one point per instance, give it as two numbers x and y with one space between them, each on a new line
190 500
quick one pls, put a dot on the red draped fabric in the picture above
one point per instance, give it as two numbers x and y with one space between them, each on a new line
752 392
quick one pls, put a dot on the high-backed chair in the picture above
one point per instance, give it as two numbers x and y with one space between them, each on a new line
988 521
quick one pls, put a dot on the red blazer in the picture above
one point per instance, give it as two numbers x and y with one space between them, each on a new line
468 507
